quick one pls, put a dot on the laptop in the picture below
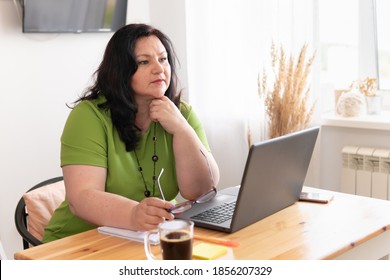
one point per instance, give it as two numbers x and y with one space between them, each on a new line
272 180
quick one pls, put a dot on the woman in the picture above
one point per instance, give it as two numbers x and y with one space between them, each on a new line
123 131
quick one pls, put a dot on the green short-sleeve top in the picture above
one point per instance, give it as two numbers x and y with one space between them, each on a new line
90 138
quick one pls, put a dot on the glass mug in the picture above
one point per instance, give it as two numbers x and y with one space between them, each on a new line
176 238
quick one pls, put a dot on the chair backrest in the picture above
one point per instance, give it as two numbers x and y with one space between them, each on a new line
35 208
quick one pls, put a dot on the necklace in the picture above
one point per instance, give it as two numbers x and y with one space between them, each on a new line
154 159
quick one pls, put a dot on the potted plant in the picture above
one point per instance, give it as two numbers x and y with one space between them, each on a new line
287 102
368 87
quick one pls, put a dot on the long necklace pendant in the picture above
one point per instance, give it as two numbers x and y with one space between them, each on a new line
147 193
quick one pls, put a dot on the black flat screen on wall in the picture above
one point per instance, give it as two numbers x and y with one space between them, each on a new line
73 16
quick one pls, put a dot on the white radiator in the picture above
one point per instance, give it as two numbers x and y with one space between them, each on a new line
366 171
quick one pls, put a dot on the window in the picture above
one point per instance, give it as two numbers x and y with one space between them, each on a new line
233 45
348 46
338 33
383 43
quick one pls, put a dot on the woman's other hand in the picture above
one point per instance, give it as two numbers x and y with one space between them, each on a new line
150 212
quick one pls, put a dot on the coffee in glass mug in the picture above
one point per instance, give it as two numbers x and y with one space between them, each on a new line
175 240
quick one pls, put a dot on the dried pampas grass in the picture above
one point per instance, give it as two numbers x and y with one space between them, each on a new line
286 104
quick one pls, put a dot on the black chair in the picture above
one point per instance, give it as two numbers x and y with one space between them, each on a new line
21 216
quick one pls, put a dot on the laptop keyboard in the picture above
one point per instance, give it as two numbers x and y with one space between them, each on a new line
217 214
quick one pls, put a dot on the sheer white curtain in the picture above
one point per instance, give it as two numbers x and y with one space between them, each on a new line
229 42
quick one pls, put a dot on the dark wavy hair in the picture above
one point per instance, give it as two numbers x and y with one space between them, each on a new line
114 75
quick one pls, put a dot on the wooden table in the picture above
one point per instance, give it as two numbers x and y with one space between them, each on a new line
349 227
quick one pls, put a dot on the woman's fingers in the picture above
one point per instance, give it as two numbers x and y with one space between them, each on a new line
150 212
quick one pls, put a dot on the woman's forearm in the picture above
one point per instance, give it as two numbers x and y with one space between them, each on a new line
192 169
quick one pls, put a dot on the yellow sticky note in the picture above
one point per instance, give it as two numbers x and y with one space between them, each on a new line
207 251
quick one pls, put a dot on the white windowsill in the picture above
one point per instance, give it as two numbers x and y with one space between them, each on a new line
381 121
